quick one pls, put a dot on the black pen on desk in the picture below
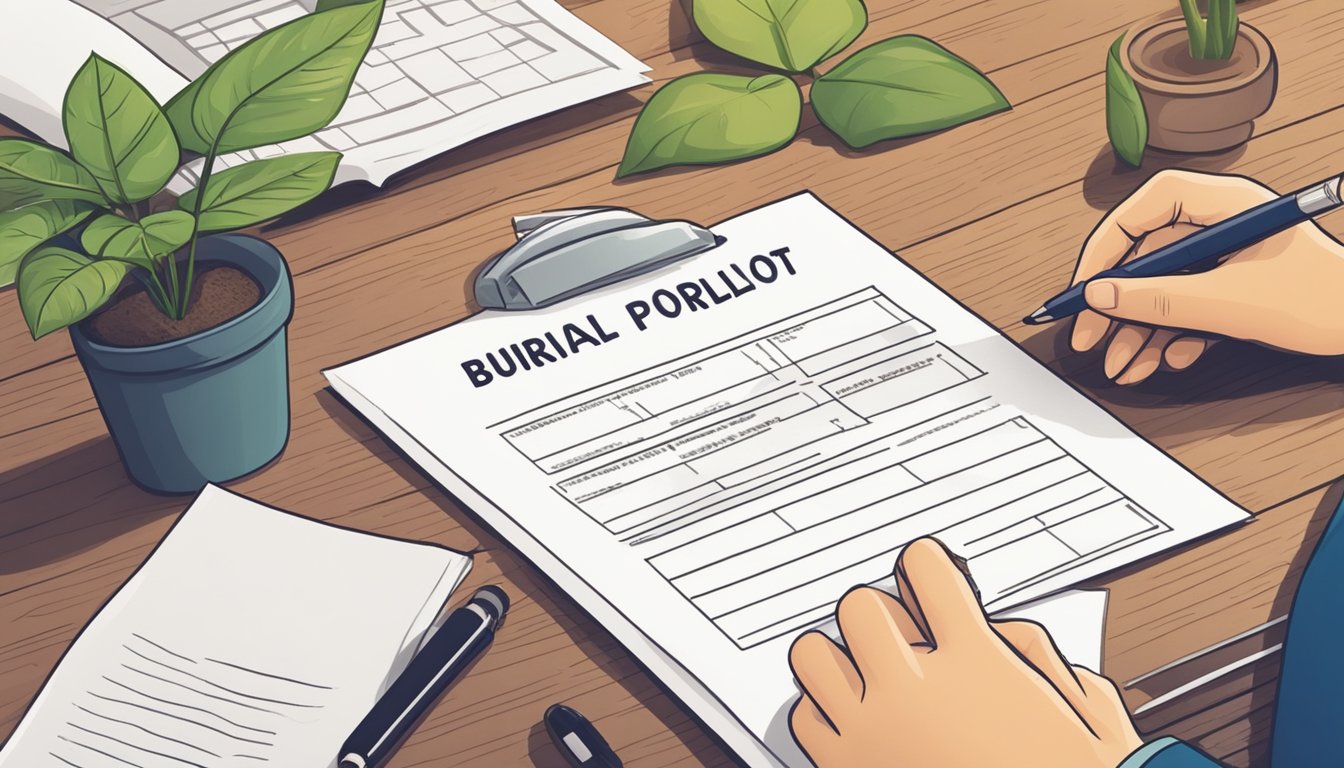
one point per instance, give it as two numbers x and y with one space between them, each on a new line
1207 245
464 635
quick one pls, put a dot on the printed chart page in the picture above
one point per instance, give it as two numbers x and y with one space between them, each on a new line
708 456
440 73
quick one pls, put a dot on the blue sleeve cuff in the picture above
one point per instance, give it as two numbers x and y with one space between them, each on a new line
1140 757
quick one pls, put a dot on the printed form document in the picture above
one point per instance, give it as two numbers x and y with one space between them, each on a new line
708 456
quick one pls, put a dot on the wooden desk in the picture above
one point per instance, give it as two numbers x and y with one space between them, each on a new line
994 212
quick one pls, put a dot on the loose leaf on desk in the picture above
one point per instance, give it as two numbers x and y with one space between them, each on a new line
708 118
32 225
262 189
793 35
903 86
58 287
117 131
143 242
1126 118
282 85
30 172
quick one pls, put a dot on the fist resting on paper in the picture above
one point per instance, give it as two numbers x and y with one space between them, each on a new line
1283 292
925 679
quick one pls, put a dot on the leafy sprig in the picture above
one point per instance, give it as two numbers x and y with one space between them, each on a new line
1214 37
902 86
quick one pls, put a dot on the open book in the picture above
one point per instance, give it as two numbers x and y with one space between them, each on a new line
440 73
250 636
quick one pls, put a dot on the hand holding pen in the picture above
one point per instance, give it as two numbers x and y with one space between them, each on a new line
1283 291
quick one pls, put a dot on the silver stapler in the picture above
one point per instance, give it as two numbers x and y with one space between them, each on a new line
561 254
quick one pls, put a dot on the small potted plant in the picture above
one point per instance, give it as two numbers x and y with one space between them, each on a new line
1202 80
180 328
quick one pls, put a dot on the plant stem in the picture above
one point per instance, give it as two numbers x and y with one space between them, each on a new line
196 223
178 310
159 292
1196 27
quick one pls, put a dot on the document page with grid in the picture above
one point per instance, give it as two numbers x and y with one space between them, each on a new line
709 456
440 72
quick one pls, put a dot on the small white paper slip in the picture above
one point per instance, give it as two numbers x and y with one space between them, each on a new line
249 635
1076 620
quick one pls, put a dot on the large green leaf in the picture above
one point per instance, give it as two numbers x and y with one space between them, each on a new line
704 119
262 189
903 86
117 131
143 242
32 225
58 288
793 35
281 85
1126 118
31 172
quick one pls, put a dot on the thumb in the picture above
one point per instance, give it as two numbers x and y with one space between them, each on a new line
1198 302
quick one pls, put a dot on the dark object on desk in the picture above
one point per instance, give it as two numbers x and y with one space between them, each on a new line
464 635
578 739
561 254
1211 243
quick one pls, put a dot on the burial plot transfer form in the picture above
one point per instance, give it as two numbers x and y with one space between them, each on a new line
708 456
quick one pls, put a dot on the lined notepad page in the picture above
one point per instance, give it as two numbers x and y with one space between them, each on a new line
250 637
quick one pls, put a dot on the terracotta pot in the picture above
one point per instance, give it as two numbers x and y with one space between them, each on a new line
1198 105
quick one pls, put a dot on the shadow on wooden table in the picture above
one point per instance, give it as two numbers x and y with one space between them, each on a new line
681 27
58 506
1230 372
1109 180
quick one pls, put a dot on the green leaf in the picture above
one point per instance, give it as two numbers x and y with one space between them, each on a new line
262 189
1126 118
143 242
31 172
1196 28
704 119
903 86
793 35
283 84
1222 29
32 225
117 131
58 288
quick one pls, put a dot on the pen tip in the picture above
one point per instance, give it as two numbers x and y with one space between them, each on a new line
1037 317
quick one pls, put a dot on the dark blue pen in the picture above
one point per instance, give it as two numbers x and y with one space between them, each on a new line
1210 243
463 636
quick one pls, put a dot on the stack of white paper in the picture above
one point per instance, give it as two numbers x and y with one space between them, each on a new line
250 636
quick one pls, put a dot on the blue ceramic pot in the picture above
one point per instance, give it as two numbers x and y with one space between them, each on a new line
210 407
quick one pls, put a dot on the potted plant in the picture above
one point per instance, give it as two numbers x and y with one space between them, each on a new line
1202 81
180 328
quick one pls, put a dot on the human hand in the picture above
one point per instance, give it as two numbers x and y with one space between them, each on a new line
1283 292
927 680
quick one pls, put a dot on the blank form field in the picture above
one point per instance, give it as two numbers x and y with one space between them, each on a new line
1020 559
762 490
1098 529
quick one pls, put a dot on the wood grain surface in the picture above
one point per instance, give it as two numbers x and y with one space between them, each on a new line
993 212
